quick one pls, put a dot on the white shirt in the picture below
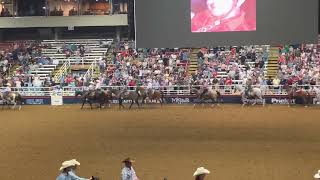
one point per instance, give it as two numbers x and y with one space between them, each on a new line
91 87
128 174
98 86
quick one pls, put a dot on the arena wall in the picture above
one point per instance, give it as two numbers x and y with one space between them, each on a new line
183 99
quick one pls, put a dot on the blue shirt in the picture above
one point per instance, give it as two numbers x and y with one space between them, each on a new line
63 176
75 177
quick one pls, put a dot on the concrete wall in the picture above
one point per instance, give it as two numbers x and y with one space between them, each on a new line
59 21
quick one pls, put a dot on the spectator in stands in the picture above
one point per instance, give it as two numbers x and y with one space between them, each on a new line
73 12
201 173
5 12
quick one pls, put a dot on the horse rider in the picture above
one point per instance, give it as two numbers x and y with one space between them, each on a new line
201 173
7 90
68 170
248 87
205 88
98 86
128 172
138 88
150 87
91 87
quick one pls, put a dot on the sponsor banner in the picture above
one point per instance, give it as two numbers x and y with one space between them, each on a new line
37 101
234 99
282 101
56 100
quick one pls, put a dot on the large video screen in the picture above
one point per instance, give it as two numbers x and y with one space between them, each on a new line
223 15
198 23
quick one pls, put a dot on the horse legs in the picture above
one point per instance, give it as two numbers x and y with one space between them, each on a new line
84 101
131 104
90 104
305 101
14 105
137 101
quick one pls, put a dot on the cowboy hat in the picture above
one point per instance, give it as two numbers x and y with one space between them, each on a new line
128 160
201 170
317 176
73 161
66 164
8 84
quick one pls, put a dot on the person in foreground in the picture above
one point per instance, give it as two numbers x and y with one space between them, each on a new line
68 171
201 173
128 172
317 176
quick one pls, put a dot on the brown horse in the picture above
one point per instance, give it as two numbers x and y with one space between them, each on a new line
294 93
92 97
151 94
211 94
133 96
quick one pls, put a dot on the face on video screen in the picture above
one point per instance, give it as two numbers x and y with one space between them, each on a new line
223 15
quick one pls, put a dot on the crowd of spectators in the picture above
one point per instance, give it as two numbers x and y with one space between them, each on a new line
17 60
166 67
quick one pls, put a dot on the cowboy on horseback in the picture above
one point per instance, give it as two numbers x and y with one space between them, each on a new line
91 88
138 89
7 90
248 87
205 88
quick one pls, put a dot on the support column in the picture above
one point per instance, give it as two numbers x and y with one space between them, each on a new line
118 33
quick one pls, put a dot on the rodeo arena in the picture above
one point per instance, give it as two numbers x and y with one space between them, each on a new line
75 87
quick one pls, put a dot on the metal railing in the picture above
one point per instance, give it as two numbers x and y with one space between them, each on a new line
62 71
167 90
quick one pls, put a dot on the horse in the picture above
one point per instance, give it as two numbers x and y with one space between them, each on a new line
316 92
114 93
211 94
92 97
152 94
129 95
11 98
255 94
294 93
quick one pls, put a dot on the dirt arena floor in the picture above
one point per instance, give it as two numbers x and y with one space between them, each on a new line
271 143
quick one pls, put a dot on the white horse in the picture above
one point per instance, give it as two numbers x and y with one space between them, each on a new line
255 94
11 98
316 91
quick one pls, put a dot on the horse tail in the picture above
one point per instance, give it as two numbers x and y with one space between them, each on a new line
19 99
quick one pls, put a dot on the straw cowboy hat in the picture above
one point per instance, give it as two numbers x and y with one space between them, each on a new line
74 161
69 163
128 160
66 164
317 176
201 170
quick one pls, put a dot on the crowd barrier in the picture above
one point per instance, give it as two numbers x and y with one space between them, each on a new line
172 94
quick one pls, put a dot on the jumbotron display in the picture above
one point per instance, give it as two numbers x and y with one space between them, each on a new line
223 15
199 23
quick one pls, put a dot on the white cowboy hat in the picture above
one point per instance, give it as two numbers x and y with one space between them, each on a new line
91 82
66 164
98 81
317 176
8 84
201 170
74 161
